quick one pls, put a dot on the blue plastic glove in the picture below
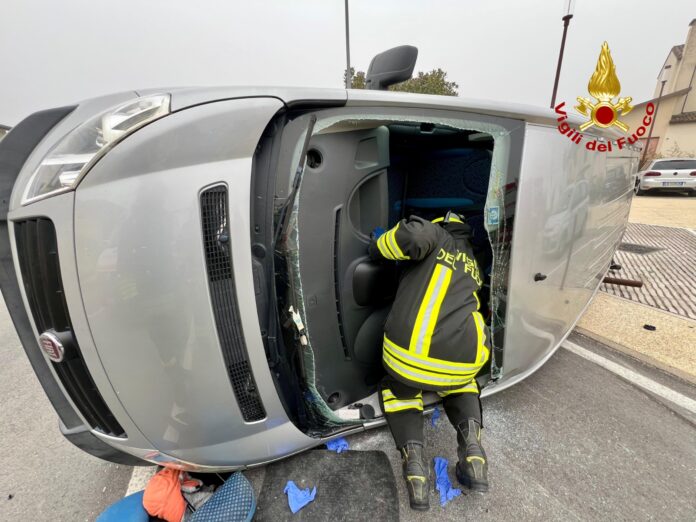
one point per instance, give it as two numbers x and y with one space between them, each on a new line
298 498
435 417
442 482
378 231
338 445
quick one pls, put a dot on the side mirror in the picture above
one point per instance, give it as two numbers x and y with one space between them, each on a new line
390 67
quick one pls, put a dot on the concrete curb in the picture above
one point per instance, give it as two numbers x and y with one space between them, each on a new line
679 374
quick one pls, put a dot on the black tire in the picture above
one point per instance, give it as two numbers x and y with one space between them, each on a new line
637 191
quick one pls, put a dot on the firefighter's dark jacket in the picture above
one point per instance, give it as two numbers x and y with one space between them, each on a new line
434 338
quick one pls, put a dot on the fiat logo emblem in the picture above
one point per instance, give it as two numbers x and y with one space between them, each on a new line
52 346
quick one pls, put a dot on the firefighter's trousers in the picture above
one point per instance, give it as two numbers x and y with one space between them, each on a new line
403 408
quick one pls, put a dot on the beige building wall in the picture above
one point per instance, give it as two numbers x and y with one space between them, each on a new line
674 65
687 67
678 99
634 119
681 136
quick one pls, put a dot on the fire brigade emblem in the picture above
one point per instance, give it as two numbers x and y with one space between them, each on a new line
604 87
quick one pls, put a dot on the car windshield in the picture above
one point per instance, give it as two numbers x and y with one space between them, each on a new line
675 164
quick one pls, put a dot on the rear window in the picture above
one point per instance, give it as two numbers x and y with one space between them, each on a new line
675 164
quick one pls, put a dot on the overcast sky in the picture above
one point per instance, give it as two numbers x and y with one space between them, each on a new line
57 52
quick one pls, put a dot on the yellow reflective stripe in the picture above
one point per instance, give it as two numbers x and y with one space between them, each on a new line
385 242
383 248
482 351
429 363
393 245
434 314
478 303
387 394
476 457
429 309
403 404
472 387
421 376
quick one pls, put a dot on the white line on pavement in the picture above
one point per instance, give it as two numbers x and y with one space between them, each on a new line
139 479
634 377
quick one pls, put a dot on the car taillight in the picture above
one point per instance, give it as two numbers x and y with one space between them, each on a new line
693 173
652 173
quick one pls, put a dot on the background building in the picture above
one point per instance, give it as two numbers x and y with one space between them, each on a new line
674 131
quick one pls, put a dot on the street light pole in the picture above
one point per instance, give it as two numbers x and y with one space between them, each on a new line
566 21
664 76
349 77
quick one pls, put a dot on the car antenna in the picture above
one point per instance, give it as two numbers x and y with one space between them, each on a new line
282 219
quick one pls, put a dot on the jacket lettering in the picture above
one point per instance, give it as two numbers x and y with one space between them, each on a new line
460 258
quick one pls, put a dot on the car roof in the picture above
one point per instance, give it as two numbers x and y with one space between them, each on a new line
671 159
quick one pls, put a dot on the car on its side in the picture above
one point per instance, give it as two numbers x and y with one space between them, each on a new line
667 175
187 268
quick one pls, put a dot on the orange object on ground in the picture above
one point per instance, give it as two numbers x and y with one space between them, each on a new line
163 498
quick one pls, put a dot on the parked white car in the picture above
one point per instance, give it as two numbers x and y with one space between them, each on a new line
668 174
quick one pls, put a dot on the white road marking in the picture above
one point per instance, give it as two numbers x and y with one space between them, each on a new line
636 378
139 479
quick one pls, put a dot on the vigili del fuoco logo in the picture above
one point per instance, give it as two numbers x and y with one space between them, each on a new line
601 110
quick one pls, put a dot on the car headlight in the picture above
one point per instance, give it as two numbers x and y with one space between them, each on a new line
66 164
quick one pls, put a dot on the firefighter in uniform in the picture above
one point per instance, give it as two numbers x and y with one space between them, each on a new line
434 339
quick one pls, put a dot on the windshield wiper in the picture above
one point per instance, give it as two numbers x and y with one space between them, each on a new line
283 218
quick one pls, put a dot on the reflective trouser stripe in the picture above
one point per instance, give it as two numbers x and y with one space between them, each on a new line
393 404
388 395
422 334
472 387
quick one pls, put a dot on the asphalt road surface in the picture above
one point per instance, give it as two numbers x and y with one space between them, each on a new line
573 442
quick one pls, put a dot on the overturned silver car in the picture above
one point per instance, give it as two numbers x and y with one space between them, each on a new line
187 268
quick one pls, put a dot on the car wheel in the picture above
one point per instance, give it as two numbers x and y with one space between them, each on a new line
637 190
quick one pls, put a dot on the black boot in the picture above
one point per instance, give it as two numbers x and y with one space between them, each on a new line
472 468
416 475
